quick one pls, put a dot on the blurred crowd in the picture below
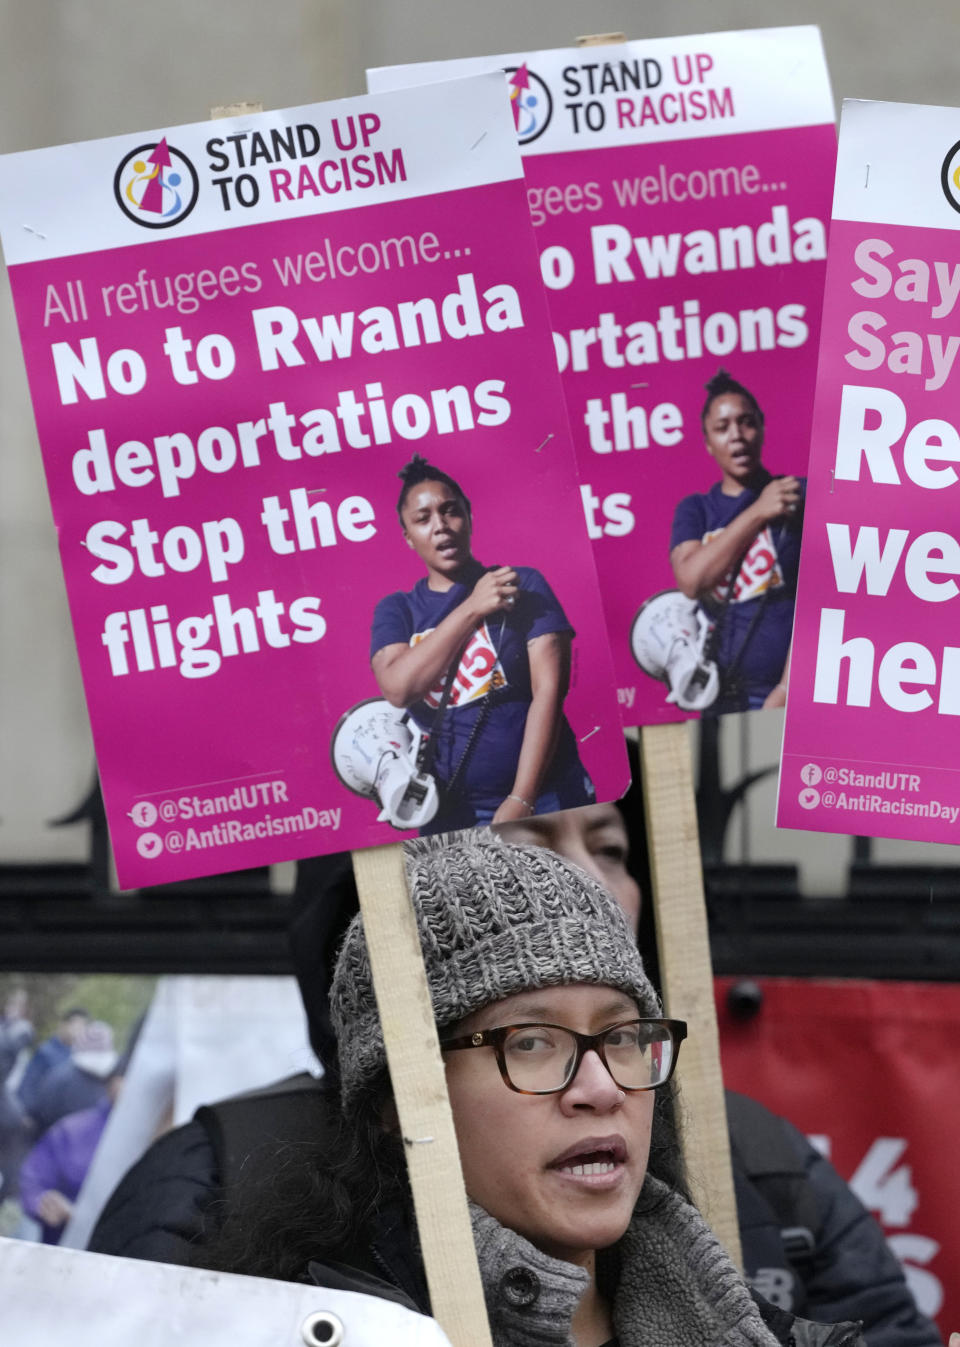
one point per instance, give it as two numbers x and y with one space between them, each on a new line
55 1099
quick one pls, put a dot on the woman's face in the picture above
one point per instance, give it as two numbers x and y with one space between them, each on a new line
436 524
733 432
594 837
520 1153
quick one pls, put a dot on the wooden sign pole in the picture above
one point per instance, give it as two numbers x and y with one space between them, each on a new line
420 1093
686 971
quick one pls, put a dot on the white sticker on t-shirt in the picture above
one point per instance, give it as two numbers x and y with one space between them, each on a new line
478 672
759 570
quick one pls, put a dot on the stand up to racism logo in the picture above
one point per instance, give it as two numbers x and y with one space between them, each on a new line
156 185
531 101
950 176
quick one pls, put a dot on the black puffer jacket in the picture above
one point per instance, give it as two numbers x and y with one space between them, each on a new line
173 1201
809 1244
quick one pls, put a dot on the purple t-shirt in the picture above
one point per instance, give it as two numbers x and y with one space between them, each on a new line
495 663
765 582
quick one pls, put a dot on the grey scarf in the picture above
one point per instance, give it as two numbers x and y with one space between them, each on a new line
675 1288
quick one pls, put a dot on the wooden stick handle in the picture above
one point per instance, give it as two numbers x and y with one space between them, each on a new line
600 39
686 971
420 1093
235 109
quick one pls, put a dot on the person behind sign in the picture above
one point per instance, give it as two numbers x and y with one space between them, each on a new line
808 1243
53 1172
481 658
16 1035
736 549
50 1053
558 1064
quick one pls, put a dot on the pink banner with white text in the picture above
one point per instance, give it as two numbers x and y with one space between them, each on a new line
872 723
237 334
680 190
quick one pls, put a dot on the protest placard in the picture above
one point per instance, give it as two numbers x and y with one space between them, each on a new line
112 1302
870 739
679 188
236 336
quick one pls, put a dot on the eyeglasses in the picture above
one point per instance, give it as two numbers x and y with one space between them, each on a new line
544 1058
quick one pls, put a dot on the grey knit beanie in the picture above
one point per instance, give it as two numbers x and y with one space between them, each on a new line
494 919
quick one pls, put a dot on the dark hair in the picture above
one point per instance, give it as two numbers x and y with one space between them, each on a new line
721 384
326 902
419 470
631 810
75 1012
313 1200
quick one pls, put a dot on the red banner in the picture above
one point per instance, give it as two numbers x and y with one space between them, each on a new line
869 1070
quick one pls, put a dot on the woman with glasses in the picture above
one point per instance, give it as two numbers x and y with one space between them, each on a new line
558 1066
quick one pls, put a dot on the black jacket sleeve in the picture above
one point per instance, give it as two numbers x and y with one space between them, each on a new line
798 1215
167 1205
854 1273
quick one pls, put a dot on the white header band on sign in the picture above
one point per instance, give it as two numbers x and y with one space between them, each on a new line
662 89
253 169
898 164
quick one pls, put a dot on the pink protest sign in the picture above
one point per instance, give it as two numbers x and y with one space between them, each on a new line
237 335
871 731
680 192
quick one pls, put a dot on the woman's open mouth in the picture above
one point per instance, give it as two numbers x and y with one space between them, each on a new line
594 1158
599 1162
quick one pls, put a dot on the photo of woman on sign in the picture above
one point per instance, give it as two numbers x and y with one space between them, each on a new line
723 642
480 656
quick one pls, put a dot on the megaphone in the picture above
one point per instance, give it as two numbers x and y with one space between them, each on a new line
668 639
374 752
